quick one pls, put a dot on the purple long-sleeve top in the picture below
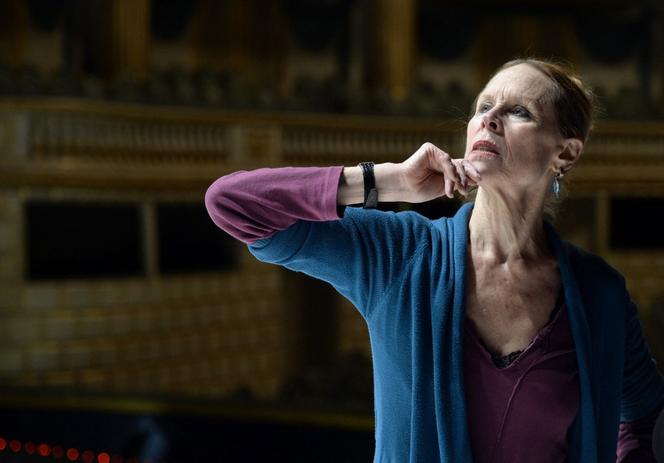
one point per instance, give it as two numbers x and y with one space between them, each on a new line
520 407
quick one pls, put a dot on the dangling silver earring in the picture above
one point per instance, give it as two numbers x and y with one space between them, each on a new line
556 184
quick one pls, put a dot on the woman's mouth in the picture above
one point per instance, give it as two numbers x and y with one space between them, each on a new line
484 146
484 149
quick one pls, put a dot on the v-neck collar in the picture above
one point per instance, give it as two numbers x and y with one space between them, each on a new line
539 338
583 435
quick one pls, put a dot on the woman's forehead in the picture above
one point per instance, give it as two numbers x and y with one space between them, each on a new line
519 82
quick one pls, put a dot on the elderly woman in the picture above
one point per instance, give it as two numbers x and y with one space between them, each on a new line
493 340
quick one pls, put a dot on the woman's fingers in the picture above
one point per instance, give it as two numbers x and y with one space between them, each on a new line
452 177
471 171
449 187
441 161
467 176
447 167
461 186
458 174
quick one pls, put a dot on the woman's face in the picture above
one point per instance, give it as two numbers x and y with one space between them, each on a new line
512 139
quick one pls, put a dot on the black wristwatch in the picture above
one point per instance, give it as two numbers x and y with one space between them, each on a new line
370 191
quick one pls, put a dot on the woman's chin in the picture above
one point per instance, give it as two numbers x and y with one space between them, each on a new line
482 156
486 168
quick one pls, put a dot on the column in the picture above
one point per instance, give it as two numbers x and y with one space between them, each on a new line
505 38
658 49
246 37
392 59
130 35
14 22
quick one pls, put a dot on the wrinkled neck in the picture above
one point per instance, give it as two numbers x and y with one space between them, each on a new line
506 228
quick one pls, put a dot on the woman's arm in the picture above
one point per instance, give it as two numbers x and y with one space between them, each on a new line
427 174
642 394
388 184
289 216
252 205
635 439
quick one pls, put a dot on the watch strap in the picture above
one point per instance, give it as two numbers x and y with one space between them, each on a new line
370 191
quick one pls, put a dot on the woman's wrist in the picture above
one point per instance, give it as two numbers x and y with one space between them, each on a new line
388 184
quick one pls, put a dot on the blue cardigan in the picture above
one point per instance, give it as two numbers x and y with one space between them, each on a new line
406 274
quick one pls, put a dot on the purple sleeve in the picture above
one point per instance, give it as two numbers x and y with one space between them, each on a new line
635 440
252 205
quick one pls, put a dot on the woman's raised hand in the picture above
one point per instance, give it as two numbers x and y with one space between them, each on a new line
430 173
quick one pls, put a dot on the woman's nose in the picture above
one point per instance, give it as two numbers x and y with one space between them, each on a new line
490 120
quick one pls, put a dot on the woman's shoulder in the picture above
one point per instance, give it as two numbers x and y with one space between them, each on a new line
591 266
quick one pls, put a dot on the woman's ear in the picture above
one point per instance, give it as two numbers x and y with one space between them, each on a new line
570 153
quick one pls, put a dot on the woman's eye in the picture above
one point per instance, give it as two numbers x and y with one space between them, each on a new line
519 111
483 107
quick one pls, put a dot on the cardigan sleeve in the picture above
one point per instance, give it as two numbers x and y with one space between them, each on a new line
289 217
635 439
252 205
643 385
362 256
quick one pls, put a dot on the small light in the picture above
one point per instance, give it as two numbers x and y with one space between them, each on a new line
3 444
103 458
15 446
44 450
72 454
30 448
88 456
58 452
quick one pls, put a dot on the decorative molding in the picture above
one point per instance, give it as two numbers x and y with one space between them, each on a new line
86 143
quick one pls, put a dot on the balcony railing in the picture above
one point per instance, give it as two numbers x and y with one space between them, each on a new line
86 142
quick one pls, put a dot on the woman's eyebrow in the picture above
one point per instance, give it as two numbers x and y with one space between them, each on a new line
480 99
534 105
531 103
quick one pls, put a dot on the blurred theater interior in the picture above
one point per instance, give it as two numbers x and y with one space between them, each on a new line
133 329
